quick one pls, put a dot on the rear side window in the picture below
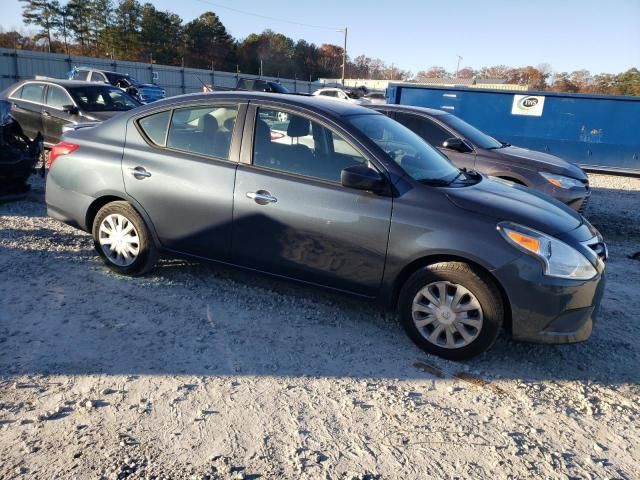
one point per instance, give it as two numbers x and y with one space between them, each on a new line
203 130
33 92
80 75
98 77
155 127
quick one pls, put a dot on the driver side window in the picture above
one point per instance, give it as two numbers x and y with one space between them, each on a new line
425 128
295 144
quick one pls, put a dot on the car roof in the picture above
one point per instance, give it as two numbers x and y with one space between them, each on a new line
320 105
408 108
102 71
64 82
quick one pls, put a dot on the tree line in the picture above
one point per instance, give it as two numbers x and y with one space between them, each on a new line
130 30
543 78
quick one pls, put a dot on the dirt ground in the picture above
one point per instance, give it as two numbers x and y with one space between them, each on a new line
197 371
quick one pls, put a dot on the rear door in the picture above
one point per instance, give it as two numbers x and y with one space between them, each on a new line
27 109
180 166
53 115
292 216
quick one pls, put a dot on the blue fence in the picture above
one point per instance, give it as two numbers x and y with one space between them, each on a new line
595 131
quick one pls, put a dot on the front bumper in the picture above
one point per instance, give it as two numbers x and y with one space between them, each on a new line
576 198
546 309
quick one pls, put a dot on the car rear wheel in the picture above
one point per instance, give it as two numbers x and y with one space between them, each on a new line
451 310
122 239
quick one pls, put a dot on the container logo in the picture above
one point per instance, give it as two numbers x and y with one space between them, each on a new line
527 103
531 105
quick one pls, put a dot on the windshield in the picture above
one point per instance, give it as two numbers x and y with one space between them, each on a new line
475 136
277 88
416 157
116 77
96 98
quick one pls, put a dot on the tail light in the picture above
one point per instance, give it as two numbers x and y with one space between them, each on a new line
59 149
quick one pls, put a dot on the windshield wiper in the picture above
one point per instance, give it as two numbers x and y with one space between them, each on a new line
460 173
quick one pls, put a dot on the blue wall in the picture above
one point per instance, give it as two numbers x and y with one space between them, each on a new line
600 132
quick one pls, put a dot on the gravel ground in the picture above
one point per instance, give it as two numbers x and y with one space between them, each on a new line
197 371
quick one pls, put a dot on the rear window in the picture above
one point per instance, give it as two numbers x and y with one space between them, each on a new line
155 127
33 92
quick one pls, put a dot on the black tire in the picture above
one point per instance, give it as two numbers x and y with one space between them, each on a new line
476 282
148 252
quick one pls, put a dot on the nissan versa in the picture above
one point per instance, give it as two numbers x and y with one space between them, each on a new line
334 195
468 147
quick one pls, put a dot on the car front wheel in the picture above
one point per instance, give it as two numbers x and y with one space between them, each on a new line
451 310
122 239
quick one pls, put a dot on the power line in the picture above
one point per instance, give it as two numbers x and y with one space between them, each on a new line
268 17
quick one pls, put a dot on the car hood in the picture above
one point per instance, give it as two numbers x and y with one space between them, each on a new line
509 202
540 161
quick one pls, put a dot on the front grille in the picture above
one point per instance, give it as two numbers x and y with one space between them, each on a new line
583 207
599 248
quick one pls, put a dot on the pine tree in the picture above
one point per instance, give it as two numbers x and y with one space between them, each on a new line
43 14
207 43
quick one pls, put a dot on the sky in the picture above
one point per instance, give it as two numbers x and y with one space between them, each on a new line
600 36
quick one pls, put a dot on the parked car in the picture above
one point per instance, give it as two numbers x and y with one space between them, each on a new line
250 85
143 92
47 105
468 147
340 94
352 201
376 97
18 155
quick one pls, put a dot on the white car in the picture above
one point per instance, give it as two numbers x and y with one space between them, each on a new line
340 94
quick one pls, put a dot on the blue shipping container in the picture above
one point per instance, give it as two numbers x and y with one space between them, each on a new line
595 131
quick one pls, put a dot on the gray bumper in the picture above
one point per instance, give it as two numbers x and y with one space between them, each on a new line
546 309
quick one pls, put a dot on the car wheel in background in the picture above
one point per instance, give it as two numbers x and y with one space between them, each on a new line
451 310
122 239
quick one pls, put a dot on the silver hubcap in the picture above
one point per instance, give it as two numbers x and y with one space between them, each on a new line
447 314
119 240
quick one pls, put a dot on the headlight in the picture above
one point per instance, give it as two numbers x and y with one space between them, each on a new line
559 259
561 181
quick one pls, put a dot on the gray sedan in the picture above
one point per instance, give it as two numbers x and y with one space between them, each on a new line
338 196
468 147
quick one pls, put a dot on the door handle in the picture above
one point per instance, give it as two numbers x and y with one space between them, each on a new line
262 197
45 113
140 173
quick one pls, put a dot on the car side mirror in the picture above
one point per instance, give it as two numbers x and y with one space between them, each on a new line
362 177
70 109
457 144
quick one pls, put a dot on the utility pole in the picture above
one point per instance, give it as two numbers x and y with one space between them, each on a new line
344 55
458 67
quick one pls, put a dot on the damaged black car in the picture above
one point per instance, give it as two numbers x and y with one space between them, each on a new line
18 155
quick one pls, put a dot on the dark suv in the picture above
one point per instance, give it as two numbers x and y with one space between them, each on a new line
468 147
337 196
143 92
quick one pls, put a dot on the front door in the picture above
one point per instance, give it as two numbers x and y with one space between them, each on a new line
293 217
180 166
